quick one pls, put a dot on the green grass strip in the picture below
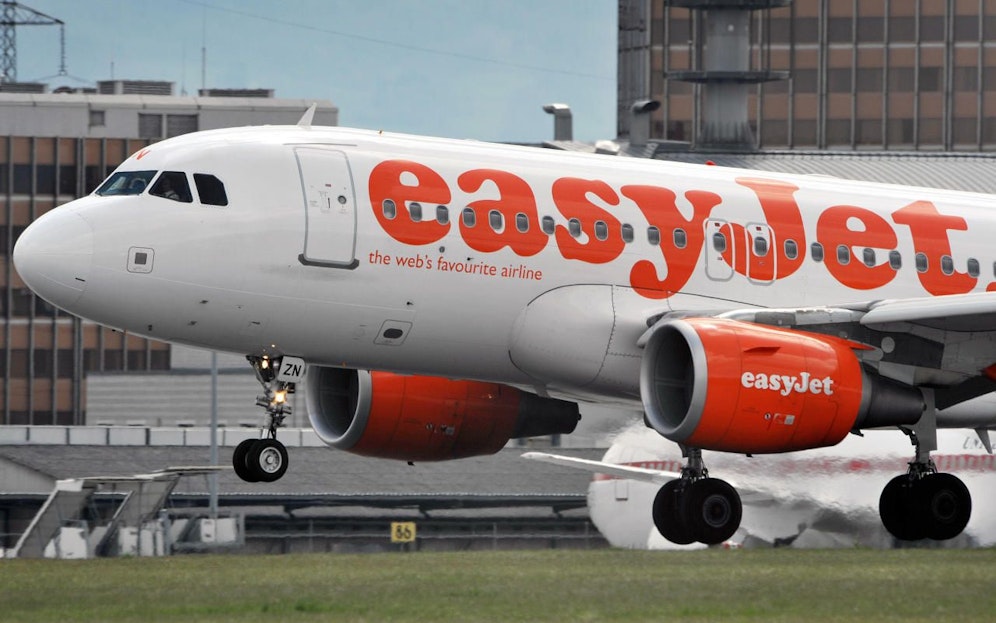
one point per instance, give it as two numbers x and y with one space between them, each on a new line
528 586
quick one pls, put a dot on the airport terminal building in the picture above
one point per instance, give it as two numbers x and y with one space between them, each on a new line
55 147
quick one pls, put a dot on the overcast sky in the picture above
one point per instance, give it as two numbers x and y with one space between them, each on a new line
477 69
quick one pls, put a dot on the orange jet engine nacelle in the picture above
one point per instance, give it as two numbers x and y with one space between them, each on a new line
420 418
727 385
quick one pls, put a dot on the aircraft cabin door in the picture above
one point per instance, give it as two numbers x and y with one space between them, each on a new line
329 208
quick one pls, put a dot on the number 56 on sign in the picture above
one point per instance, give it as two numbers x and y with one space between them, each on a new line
402 531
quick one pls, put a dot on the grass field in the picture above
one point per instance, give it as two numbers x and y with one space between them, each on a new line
551 585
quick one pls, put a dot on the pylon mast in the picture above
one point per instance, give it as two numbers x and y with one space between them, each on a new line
14 14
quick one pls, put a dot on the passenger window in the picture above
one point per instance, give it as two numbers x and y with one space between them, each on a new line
816 250
653 236
719 242
760 247
843 255
442 215
521 223
680 238
469 218
973 267
868 256
601 230
947 264
172 185
574 227
415 211
389 209
126 183
627 233
496 220
791 249
210 189
895 260
548 225
921 263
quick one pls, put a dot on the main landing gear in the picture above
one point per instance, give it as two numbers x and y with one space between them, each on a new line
695 507
922 503
265 459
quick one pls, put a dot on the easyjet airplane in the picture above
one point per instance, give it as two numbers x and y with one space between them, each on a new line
443 296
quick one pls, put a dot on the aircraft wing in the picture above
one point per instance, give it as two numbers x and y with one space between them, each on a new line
642 474
975 312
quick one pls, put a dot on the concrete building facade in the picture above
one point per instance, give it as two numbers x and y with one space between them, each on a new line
55 147
848 74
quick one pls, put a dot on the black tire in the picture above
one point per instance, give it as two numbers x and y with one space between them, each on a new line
668 516
712 510
901 514
945 505
239 461
267 460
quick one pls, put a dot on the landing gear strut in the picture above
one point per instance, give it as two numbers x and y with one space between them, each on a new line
696 507
922 503
265 459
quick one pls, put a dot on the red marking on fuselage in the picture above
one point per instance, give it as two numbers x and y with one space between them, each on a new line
596 235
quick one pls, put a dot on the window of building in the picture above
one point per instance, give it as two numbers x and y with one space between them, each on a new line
180 124
839 29
901 79
930 79
868 79
97 118
150 126
804 80
871 29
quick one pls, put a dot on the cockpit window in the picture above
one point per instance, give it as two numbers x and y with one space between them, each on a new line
126 183
172 185
210 189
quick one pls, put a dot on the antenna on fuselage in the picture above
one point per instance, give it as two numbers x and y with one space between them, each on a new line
307 117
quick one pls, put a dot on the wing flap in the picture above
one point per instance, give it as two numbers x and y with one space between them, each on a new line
975 312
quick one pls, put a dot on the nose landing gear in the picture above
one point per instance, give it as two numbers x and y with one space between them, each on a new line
265 459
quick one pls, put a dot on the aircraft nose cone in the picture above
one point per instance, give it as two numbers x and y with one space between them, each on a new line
53 256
